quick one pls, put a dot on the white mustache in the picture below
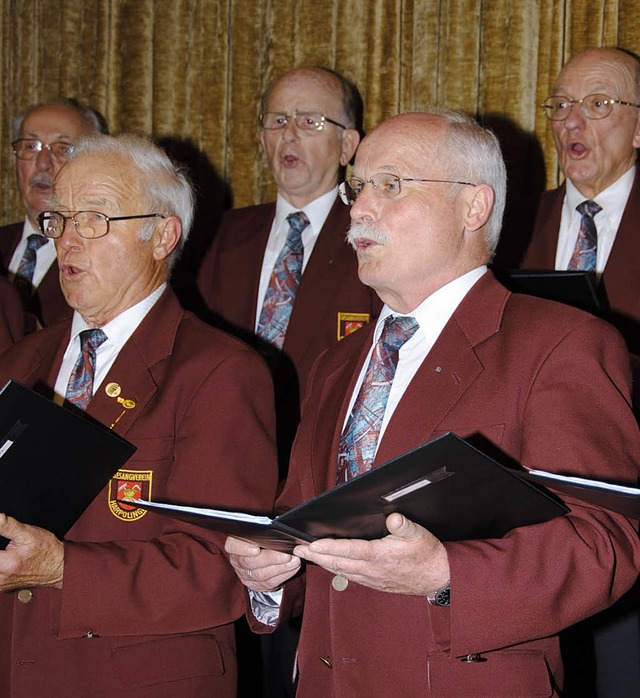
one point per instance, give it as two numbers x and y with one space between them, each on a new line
365 230
41 178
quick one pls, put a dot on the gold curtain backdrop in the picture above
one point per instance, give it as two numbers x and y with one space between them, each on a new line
192 71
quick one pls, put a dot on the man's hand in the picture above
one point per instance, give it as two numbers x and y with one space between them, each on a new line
33 557
410 560
259 569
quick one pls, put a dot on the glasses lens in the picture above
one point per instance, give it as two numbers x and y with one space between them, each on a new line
27 148
597 106
309 121
386 185
273 120
51 224
91 224
557 108
346 194
60 150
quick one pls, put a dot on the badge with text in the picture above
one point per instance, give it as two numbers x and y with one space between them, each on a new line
129 485
350 322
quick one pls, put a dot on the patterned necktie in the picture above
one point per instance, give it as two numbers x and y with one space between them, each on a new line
360 436
24 276
283 284
586 249
80 386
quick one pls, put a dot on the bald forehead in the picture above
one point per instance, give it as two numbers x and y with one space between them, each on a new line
606 61
413 136
317 84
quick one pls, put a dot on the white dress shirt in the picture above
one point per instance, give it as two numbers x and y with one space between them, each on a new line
317 212
118 332
612 200
45 256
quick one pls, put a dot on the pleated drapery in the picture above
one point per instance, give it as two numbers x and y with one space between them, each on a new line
192 71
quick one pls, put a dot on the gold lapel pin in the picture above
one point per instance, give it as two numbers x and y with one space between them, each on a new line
113 390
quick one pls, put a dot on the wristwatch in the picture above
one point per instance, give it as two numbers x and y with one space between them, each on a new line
442 597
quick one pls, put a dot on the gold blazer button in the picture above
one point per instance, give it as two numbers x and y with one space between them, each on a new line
25 595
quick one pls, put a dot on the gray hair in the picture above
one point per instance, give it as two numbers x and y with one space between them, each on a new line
473 153
165 184
94 120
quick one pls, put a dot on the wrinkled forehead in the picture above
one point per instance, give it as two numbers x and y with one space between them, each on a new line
92 180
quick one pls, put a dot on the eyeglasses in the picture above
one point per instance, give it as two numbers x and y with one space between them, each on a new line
385 186
89 224
30 148
310 122
558 107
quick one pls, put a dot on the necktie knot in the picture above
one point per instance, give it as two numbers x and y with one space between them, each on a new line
35 241
298 221
588 208
397 331
90 340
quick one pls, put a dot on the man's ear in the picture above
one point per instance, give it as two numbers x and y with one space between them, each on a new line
165 237
636 135
348 145
479 206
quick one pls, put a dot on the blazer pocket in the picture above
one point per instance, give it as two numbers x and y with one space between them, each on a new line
167 659
502 675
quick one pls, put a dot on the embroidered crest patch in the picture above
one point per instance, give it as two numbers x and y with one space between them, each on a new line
129 484
350 322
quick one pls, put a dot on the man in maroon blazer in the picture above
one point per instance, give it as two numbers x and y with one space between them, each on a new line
597 153
538 382
130 603
43 136
310 121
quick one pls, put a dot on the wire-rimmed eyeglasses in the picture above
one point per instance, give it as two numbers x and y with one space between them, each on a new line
30 148
88 224
597 106
311 122
385 186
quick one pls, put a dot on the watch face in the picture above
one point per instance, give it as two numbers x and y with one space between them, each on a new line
440 598
443 597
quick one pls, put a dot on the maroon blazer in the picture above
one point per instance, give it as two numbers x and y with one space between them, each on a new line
620 277
11 315
547 385
331 300
47 304
148 603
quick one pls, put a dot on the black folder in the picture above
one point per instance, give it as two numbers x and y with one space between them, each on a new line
53 461
573 287
445 485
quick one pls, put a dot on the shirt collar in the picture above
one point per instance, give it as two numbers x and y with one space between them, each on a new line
608 198
316 210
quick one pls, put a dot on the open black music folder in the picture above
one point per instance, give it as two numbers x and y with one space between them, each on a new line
446 485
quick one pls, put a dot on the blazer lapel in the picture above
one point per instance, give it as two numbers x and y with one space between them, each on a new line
447 372
133 370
